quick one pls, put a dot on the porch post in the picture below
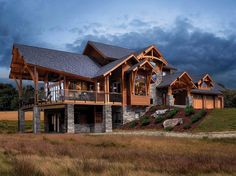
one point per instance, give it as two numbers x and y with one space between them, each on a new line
36 119
170 97
189 99
107 118
69 114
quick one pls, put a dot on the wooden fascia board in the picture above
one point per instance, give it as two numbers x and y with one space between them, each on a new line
115 67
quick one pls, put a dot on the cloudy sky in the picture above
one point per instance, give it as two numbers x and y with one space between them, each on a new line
197 36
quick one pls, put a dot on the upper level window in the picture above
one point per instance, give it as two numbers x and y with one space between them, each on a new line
140 85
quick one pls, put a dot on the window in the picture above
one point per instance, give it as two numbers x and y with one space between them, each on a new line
115 87
140 85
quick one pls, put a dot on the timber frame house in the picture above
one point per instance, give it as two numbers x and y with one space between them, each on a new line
104 87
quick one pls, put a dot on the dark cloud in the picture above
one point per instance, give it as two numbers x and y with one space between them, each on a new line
187 47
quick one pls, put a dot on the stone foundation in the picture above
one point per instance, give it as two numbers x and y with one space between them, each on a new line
69 118
131 113
36 119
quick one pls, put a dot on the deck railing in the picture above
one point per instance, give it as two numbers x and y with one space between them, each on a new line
75 95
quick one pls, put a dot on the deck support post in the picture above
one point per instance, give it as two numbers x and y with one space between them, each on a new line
21 120
69 114
36 119
107 118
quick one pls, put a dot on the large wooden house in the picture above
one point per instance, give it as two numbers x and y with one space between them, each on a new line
103 87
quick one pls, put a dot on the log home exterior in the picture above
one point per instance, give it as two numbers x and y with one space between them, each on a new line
103 87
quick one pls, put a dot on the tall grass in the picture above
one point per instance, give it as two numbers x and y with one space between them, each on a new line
57 155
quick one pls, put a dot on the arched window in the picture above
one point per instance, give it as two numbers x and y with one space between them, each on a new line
140 85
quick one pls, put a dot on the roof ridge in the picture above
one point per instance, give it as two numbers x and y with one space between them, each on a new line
14 44
91 41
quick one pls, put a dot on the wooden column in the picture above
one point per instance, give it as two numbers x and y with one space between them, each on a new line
106 88
36 85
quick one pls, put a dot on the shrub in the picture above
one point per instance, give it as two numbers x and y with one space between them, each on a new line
187 126
196 117
169 129
189 110
133 124
145 121
159 119
172 113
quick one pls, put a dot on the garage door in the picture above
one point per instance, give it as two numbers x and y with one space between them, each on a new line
209 102
197 102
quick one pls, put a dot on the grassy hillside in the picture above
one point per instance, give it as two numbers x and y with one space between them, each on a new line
219 120
61 155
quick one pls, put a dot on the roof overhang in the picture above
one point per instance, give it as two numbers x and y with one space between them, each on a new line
184 74
142 54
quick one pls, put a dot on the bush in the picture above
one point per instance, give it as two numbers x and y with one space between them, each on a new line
145 121
159 119
198 116
189 110
169 129
187 126
172 113
133 124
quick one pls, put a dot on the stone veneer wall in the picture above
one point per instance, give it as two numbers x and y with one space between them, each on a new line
21 120
130 111
170 100
69 118
36 119
89 128
107 118
189 100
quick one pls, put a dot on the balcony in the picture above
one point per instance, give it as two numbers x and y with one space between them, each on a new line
74 96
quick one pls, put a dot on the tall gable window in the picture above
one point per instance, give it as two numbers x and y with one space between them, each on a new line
140 85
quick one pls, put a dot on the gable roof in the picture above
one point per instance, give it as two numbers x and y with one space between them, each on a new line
139 64
110 51
167 80
113 65
197 77
72 63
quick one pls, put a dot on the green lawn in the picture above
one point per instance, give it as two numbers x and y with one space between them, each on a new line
10 126
219 120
